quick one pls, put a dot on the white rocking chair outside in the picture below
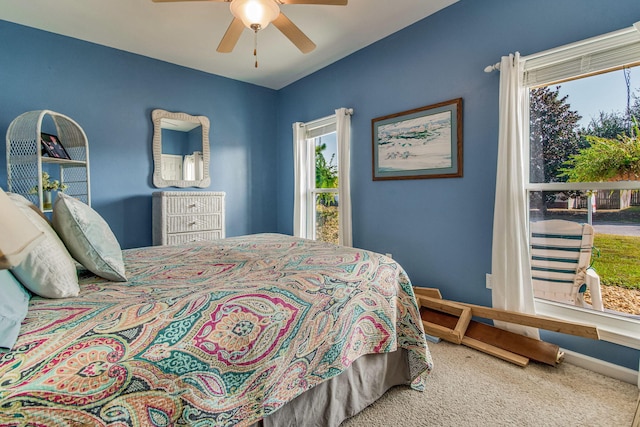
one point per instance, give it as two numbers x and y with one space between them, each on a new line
560 262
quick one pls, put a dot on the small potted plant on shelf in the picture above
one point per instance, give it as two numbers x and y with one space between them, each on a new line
48 185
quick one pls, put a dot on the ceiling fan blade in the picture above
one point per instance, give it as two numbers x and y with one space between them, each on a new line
175 1
293 33
231 36
324 2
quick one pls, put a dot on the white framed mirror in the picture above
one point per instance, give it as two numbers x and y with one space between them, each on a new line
180 150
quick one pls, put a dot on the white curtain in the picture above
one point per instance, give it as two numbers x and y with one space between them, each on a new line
193 166
510 263
199 164
188 168
343 131
301 172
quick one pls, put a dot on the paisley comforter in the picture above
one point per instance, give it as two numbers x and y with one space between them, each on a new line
219 333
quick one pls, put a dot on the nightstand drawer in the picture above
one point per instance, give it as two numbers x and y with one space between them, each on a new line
182 223
193 204
182 238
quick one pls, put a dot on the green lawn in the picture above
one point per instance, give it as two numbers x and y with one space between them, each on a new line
619 262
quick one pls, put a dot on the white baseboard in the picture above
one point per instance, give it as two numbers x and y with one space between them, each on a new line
600 366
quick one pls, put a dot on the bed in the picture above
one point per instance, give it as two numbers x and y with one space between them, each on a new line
265 329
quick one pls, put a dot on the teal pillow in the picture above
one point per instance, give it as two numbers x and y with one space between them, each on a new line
88 238
13 308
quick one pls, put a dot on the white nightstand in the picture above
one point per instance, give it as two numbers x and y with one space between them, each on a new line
187 216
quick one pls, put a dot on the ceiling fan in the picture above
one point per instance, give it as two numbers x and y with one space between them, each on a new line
257 15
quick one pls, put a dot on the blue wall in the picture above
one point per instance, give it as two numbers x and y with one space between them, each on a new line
111 94
440 229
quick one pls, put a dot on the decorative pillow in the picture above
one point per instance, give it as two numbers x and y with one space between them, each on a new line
13 308
34 208
88 238
48 270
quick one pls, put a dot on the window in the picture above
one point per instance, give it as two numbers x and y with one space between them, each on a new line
323 194
321 150
584 158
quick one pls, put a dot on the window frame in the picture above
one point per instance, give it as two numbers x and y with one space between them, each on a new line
314 130
579 60
311 208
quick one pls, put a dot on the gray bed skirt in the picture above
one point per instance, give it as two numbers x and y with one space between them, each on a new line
343 396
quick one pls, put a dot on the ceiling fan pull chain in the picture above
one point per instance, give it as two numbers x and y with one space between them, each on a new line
255 45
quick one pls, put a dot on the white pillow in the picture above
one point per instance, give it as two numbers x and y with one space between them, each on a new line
48 270
88 238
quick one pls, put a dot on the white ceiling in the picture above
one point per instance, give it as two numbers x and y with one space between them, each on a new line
187 33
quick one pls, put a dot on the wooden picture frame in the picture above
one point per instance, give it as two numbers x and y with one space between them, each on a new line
52 146
425 142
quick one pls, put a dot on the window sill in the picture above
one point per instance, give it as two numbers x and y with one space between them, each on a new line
613 328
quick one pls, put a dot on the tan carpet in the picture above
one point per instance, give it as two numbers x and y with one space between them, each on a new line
470 388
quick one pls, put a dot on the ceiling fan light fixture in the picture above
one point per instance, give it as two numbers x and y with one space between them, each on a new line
255 13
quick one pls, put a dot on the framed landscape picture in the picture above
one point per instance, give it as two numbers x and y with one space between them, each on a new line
52 146
422 143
